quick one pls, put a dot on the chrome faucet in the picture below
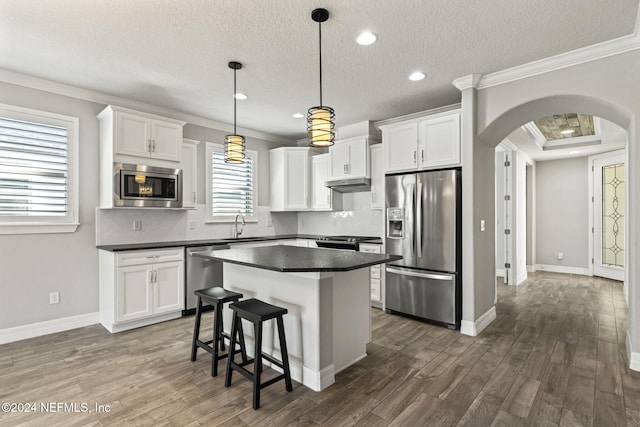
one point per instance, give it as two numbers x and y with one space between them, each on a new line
237 233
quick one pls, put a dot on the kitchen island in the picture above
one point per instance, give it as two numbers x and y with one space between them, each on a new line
326 293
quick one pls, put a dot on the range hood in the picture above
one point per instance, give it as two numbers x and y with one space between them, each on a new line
352 185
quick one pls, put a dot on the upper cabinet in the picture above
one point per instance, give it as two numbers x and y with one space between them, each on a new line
322 197
422 143
289 178
189 173
349 158
131 134
377 177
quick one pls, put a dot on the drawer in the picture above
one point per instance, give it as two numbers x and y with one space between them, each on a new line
375 272
149 256
371 248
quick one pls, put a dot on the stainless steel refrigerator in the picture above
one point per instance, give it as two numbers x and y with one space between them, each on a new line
423 224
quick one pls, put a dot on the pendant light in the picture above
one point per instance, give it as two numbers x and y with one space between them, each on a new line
234 144
320 119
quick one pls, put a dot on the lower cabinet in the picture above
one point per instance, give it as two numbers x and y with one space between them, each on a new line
138 288
375 274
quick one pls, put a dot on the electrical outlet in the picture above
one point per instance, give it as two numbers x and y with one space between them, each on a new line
54 297
192 224
137 225
560 255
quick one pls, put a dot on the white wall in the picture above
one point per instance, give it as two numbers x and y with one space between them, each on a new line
562 212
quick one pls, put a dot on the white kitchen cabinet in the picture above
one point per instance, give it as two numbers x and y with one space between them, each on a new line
400 147
132 135
349 158
322 197
377 177
138 288
439 141
289 179
375 273
422 143
189 173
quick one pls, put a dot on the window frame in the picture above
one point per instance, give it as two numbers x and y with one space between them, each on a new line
212 147
49 224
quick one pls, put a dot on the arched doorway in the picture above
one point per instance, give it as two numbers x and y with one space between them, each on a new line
494 130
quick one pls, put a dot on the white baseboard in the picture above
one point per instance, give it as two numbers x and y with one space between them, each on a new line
562 269
33 330
500 272
634 358
522 277
474 328
531 268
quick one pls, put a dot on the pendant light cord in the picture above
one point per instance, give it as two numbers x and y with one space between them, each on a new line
235 99
320 50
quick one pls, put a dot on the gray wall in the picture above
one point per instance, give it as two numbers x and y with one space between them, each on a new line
562 213
605 87
32 265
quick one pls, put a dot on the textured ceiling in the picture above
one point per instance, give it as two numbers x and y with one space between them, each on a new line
174 53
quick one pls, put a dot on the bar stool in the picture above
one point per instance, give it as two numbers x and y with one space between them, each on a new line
257 312
215 297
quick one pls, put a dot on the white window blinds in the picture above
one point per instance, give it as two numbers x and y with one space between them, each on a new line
34 168
232 187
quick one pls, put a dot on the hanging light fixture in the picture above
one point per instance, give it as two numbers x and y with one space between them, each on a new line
234 144
320 119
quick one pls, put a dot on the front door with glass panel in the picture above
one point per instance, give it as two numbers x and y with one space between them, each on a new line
609 185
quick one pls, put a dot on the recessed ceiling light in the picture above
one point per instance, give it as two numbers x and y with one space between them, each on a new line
567 131
366 38
298 115
240 96
417 76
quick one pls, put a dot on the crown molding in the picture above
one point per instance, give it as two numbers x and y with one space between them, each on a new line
467 82
417 116
563 60
107 99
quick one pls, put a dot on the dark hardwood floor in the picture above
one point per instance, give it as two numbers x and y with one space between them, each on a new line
555 355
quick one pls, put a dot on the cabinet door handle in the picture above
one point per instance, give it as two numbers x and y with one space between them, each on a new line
148 145
194 197
373 197
422 156
153 144
415 156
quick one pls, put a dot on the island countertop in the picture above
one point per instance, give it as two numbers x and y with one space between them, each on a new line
289 259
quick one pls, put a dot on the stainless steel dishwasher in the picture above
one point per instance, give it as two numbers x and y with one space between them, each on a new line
200 273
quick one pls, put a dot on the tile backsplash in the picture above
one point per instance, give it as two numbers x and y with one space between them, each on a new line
355 219
115 226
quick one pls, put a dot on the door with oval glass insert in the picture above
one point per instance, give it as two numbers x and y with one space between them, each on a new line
609 185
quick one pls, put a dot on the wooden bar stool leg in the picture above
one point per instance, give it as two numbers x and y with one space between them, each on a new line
284 354
243 348
216 338
257 365
232 344
196 330
221 328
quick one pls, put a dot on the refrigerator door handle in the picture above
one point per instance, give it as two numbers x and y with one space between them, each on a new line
421 275
419 221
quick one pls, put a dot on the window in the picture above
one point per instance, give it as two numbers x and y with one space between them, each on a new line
231 188
38 171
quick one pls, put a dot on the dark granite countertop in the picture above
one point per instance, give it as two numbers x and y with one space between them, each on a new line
290 259
206 242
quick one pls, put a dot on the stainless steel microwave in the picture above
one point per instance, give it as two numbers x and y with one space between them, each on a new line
143 186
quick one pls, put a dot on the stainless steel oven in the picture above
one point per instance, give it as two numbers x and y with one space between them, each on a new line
145 186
